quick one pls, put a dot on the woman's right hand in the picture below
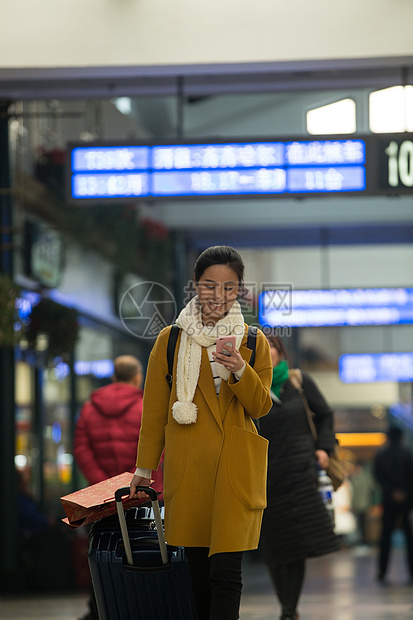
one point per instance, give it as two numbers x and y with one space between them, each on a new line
138 481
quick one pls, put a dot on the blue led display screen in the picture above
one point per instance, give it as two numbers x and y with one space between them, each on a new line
326 179
214 182
227 169
219 156
110 185
122 158
325 152
367 368
317 308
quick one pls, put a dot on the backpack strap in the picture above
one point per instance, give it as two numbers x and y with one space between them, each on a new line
296 379
170 352
251 343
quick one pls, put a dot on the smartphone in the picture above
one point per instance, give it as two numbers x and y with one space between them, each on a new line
225 341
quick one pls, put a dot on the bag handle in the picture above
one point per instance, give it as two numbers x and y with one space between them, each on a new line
124 529
296 378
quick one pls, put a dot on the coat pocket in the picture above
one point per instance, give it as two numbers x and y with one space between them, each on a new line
175 458
247 468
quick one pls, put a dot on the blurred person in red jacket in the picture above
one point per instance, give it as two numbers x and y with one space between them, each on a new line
107 432
108 427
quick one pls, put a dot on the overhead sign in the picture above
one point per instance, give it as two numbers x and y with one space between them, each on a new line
111 172
368 368
396 163
336 307
46 254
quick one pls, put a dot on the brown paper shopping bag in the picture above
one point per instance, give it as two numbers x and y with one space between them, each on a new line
96 501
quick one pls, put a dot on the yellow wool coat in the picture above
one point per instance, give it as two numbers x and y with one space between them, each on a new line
215 469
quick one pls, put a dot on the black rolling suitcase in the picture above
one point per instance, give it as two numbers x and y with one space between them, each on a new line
134 573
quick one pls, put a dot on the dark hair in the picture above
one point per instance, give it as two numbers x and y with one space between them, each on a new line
219 255
279 345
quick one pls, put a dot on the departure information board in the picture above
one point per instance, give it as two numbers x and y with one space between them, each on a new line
372 367
336 307
110 172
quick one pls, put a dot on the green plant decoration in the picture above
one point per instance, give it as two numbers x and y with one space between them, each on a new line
53 329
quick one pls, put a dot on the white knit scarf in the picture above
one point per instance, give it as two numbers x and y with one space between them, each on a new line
194 336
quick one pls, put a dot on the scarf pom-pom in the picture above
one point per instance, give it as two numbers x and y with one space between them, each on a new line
184 413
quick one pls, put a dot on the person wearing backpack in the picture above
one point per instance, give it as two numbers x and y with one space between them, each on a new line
215 463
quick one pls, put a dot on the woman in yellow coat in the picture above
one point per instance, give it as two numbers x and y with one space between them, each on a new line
215 462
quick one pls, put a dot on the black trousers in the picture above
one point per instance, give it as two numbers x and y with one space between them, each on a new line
216 583
393 511
288 582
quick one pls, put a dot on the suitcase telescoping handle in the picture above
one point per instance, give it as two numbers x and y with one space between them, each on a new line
158 520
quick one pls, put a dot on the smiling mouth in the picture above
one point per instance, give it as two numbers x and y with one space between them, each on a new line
215 306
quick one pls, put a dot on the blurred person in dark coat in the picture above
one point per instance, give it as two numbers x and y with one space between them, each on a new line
296 524
31 520
108 429
44 546
363 485
393 469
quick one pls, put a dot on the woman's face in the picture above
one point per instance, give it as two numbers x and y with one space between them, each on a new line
217 290
275 355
